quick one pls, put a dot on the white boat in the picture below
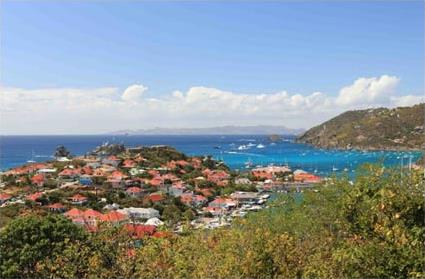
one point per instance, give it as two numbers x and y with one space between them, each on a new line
334 169
243 147
260 146
32 158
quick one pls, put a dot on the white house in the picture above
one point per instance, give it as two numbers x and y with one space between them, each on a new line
140 213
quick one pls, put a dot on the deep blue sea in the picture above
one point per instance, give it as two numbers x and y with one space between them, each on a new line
17 150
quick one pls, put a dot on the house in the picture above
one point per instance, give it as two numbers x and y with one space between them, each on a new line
114 217
128 164
193 200
73 213
92 216
113 206
307 178
187 198
86 180
134 191
35 196
176 189
245 197
38 180
69 173
199 200
155 197
116 179
219 177
154 222
140 213
93 165
47 171
89 218
223 203
243 180
87 170
112 161
269 172
78 199
4 198
56 207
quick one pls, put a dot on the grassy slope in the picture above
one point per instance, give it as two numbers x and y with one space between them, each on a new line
381 128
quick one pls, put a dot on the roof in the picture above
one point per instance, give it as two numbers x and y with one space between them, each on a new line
56 206
4 196
91 213
78 197
38 178
113 216
35 196
133 190
73 213
113 158
87 170
272 169
155 197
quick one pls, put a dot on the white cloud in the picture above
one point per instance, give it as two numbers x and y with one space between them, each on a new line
365 91
134 93
71 110
407 100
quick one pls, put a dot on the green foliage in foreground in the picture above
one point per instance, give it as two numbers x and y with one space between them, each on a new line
374 228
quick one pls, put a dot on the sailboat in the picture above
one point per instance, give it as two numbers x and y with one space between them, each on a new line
249 163
32 157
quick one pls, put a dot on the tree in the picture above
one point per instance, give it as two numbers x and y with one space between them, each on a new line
61 151
27 242
171 213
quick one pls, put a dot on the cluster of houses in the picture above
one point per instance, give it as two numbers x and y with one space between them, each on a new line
137 178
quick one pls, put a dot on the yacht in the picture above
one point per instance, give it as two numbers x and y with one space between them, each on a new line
243 147
249 164
32 158
260 146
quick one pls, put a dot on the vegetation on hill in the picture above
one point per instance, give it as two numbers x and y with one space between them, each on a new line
381 128
372 228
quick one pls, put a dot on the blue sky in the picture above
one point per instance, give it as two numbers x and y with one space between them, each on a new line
243 47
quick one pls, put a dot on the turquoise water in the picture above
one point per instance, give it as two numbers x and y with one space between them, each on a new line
16 150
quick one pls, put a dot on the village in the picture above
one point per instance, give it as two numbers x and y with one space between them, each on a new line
149 191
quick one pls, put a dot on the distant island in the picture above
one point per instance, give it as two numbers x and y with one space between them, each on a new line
221 130
399 128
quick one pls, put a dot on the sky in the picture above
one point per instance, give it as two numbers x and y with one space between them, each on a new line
75 67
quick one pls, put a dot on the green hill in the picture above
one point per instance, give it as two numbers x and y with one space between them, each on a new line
381 128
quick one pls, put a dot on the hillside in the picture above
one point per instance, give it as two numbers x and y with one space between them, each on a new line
381 128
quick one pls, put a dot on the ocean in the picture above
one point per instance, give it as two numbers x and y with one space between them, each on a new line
235 151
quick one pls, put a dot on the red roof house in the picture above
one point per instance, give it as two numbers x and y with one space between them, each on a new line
78 199
4 197
38 180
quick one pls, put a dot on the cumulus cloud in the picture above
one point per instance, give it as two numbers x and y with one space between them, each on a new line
365 91
134 93
74 110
